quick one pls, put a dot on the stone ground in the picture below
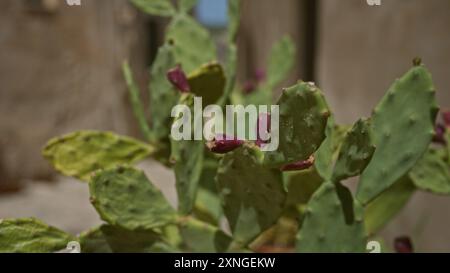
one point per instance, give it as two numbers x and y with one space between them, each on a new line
65 204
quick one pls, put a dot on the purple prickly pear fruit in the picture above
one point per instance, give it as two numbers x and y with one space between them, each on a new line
263 124
299 166
439 134
223 144
177 78
403 244
446 118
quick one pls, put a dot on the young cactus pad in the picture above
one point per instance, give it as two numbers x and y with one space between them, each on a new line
303 118
162 95
208 82
187 157
356 151
253 196
403 126
193 45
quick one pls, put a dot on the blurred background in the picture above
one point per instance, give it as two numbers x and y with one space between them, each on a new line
60 71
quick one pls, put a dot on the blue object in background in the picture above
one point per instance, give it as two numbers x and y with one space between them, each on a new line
212 13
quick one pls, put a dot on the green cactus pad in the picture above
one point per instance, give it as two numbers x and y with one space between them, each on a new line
136 103
300 185
324 227
403 126
431 173
231 67
388 204
355 152
329 149
303 120
208 82
143 241
234 12
187 157
325 155
162 99
94 241
253 196
30 235
188 169
155 7
124 197
281 61
186 5
193 46
208 207
81 153
347 202
201 237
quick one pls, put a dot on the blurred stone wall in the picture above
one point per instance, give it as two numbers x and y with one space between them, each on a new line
60 70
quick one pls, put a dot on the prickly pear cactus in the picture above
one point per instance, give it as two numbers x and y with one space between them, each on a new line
121 240
303 119
162 98
81 153
94 241
280 63
328 151
325 229
124 197
253 196
187 157
156 7
289 199
231 60
300 185
201 237
186 5
208 82
383 208
193 45
431 173
31 235
399 141
135 99
356 151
